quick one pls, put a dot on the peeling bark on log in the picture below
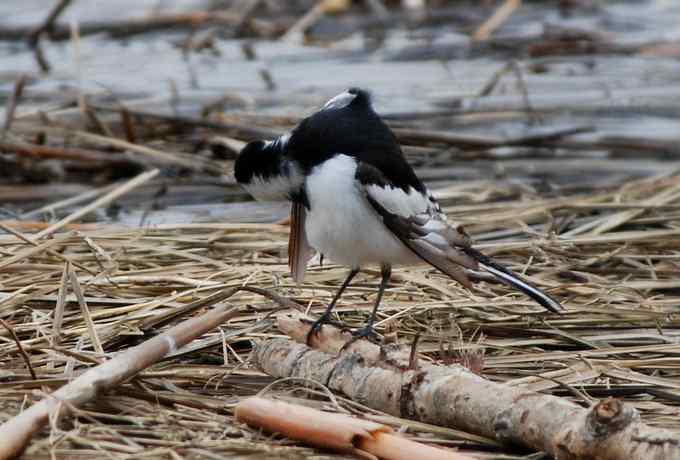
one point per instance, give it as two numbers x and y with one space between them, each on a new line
455 397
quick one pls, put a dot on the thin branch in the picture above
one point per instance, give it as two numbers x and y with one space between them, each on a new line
33 38
12 104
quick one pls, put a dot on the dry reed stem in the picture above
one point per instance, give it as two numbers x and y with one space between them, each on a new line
27 360
17 432
99 202
339 432
496 19
84 309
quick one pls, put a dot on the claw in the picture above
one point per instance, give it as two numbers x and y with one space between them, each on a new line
318 324
367 332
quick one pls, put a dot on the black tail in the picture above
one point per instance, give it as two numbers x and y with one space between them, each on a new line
508 277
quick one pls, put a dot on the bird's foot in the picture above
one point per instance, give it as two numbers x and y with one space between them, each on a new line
367 332
318 324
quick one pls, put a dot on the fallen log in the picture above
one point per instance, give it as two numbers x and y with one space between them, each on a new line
388 380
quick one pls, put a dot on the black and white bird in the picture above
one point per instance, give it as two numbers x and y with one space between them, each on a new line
357 201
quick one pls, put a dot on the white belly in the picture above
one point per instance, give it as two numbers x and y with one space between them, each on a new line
342 225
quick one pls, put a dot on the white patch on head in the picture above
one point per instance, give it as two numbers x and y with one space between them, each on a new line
397 201
343 225
341 100
277 187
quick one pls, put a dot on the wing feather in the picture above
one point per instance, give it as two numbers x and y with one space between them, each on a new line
416 219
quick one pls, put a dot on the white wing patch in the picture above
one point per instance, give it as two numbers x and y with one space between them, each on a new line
396 201
418 221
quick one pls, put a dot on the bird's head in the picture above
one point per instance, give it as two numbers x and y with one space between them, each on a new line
265 171
274 170
250 161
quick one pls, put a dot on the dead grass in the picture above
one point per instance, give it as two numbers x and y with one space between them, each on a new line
611 256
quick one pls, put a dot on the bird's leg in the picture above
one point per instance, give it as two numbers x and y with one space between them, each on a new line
325 318
368 331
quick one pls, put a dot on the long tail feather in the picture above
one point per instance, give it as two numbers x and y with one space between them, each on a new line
299 250
508 277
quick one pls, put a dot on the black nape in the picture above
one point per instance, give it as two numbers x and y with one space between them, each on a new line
361 96
257 158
